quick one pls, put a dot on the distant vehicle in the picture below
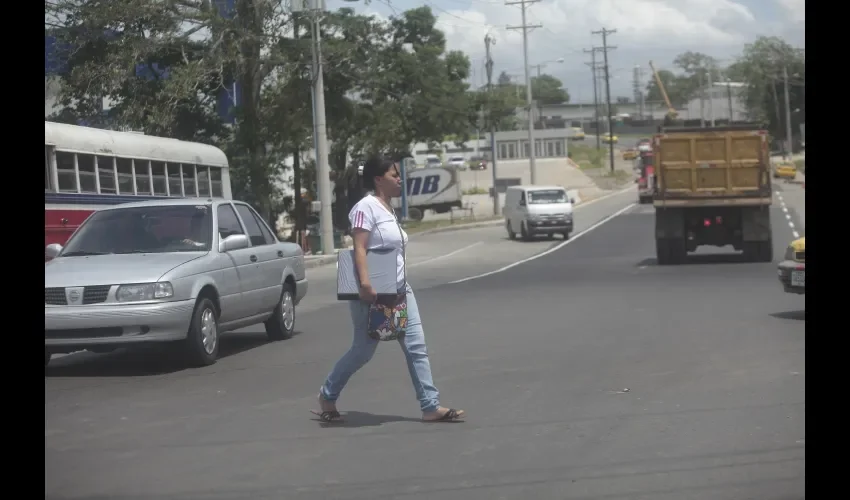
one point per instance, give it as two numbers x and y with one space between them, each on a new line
87 168
630 154
646 177
457 162
432 161
538 210
578 134
785 170
610 139
792 269
436 189
713 188
477 163
179 271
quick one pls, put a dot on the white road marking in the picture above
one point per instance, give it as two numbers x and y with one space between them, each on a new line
796 234
427 261
788 216
547 252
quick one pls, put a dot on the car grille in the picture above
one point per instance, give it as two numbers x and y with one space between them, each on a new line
800 256
91 295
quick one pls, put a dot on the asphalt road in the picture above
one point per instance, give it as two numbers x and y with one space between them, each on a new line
589 372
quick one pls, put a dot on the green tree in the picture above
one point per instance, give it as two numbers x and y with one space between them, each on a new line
546 89
672 84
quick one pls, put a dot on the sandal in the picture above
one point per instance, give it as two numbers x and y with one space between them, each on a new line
329 417
451 415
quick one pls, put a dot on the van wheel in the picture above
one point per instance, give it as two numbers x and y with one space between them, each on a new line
281 325
46 357
511 233
201 344
523 231
566 235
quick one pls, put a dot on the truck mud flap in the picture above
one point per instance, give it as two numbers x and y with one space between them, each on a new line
755 222
669 223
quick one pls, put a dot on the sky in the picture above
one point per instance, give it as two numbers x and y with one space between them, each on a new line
647 30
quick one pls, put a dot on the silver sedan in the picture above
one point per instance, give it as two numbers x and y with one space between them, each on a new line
181 271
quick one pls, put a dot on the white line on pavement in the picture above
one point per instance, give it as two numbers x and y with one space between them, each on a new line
547 252
428 261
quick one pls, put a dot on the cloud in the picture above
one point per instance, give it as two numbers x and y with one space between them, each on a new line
795 10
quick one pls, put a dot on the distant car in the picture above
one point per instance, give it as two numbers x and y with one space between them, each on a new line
792 269
477 163
179 271
433 161
785 171
457 162
630 154
578 134
610 139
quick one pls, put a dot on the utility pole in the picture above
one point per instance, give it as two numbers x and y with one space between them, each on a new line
636 88
314 11
701 98
489 40
788 136
593 68
605 48
729 96
710 97
529 105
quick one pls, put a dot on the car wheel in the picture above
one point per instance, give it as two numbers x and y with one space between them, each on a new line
566 235
202 341
47 356
511 233
281 325
523 231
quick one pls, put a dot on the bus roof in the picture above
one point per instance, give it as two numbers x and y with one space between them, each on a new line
89 140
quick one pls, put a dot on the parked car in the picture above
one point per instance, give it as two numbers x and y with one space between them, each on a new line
457 162
179 271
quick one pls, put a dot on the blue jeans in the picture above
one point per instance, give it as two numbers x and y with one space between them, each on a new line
363 348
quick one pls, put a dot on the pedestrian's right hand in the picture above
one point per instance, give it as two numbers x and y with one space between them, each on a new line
368 294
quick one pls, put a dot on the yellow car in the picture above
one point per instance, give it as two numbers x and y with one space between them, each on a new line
630 154
578 134
610 139
785 171
792 269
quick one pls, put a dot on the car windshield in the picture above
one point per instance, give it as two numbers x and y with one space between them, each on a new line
457 158
548 196
433 160
154 229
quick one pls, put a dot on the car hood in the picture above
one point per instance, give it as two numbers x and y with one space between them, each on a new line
113 269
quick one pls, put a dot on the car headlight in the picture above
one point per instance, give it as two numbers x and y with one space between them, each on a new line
144 291
789 253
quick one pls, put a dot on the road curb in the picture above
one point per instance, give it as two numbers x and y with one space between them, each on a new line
319 261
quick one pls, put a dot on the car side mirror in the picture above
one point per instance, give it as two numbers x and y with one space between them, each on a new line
522 203
52 250
573 201
234 242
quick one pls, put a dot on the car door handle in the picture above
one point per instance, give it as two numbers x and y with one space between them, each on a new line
253 258
280 253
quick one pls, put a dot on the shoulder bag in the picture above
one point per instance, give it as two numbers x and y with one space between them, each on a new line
388 318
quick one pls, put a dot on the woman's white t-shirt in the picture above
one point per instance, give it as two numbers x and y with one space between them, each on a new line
385 233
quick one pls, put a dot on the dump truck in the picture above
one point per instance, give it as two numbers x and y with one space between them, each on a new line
713 188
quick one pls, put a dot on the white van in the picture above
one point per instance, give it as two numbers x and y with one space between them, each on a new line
534 210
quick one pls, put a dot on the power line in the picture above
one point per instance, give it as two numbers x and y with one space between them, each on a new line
605 48
529 106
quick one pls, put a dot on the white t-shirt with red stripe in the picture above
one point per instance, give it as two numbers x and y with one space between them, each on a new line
371 215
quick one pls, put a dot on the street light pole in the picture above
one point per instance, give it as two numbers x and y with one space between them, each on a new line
314 8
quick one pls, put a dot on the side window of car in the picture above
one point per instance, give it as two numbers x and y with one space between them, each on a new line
228 223
267 234
253 229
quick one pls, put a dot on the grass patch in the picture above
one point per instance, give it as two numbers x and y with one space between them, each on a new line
413 227
588 157
476 190
620 175
801 165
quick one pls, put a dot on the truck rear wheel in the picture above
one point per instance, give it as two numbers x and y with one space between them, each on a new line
759 251
670 251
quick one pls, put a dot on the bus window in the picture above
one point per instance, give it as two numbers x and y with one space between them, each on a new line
159 180
143 177
125 175
203 181
106 174
175 186
65 172
215 178
85 164
189 180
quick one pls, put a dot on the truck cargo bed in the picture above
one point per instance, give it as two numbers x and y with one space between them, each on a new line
704 166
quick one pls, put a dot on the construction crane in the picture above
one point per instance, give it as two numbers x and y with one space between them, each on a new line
671 111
